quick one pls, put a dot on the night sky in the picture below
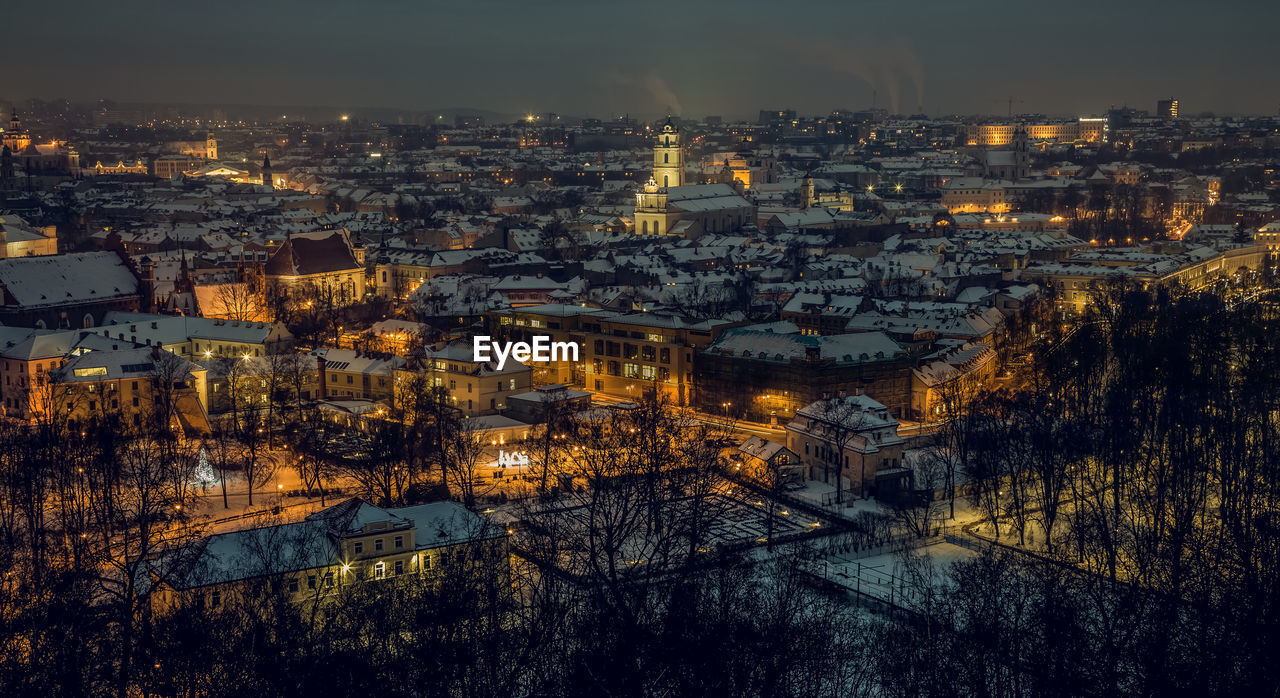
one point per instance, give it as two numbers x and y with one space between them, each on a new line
600 58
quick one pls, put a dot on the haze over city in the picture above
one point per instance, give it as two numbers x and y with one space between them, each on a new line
602 59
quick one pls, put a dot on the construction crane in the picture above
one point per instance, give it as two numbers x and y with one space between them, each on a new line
1010 101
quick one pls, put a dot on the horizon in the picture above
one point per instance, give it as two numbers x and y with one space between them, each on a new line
714 60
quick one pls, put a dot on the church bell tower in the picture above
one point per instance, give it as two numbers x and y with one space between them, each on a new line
668 157
1021 155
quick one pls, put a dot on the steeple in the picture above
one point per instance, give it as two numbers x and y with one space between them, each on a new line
1021 154
267 179
184 283
668 157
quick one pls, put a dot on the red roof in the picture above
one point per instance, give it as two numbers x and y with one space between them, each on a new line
313 253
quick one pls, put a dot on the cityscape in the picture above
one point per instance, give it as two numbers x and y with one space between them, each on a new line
645 375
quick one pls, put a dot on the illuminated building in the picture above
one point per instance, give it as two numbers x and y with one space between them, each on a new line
20 239
15 138
170 166
476 388
668 157
623 354
117 169
691 210
1269 235
206 149
53 157
347 374
964 369
1167 108
215 169
853 437
1075 281
734 168
763 456
349 543
974 195
132 383
325 262
767 376
1082 130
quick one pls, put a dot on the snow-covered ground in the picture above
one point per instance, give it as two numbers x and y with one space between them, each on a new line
821 494
894 577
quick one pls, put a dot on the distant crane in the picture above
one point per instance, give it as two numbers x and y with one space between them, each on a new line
1010 101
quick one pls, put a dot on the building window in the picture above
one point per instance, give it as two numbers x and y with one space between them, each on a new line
380 570
359 547
399 567
399 542
293 585
377 545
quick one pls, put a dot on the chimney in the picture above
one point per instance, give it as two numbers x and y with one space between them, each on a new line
155 352
320 365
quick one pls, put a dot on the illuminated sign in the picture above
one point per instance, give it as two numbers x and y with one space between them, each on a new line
513 460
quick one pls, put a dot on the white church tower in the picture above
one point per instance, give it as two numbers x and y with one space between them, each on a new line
668 157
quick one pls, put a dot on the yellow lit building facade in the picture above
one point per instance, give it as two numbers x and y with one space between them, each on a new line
668 157
1082 130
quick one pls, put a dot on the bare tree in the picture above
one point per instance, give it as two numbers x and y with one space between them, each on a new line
464 452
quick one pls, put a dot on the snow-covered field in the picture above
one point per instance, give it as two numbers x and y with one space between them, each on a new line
894 577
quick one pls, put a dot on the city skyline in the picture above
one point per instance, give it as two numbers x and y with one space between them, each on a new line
714 58
747 350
